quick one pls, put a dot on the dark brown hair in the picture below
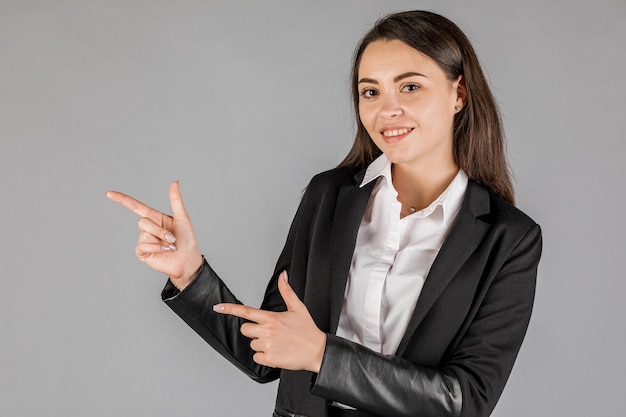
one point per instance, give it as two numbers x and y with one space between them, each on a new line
478 139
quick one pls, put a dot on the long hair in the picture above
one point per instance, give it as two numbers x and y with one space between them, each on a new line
478 138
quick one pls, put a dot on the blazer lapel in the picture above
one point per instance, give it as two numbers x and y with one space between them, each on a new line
465 235
351 203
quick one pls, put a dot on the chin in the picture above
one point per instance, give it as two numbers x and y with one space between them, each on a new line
399 157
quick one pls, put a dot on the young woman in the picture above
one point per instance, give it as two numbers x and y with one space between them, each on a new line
407 280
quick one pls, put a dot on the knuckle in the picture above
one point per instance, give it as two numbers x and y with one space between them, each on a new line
141 223
269 360
269 329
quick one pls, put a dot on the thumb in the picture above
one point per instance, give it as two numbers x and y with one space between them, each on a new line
289 296
176 201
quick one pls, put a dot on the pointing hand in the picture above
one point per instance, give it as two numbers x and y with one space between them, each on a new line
166 243
288 339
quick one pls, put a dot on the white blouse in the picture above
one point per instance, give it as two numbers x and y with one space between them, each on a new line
392 259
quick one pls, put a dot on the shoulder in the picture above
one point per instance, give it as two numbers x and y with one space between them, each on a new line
490 208
510 233
333 179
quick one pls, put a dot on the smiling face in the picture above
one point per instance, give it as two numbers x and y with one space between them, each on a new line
407 104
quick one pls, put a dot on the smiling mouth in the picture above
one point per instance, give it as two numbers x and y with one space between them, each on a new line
396 132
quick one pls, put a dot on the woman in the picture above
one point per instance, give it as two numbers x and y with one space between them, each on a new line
407 280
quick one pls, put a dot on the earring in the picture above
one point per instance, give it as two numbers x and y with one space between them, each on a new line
457 108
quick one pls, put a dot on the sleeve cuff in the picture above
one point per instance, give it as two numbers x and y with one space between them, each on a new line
170 291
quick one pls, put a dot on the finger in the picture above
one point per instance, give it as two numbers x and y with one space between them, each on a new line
176 201
258 345
266 359
134 205
261 359
291 299
145 237
251 330
148 226
143 249
242 311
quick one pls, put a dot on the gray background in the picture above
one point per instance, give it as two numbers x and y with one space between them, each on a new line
243 102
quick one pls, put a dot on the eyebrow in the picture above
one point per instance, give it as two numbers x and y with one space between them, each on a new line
395 79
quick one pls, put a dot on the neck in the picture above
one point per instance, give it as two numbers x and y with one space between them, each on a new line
419 187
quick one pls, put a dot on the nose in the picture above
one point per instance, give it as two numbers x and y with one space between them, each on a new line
390 106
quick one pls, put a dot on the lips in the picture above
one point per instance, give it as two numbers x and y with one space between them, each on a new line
391 135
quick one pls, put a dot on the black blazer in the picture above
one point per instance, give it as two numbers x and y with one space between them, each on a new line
465 332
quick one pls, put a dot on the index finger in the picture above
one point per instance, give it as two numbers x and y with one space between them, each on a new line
242 311
134 205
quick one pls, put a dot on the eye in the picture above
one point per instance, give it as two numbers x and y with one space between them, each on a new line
368 93
410 87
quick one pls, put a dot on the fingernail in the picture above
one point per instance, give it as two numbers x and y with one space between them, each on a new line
218 308
168 248
285 277
170 237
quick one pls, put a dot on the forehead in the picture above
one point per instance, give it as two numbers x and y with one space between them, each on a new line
384 57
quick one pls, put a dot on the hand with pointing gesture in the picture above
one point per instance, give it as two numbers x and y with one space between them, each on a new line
166 243
288 339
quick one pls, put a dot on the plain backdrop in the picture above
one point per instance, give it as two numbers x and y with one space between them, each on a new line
243 101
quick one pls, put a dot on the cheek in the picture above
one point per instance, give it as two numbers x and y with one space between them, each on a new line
439 113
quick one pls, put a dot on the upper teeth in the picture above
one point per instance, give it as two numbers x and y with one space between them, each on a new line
395 132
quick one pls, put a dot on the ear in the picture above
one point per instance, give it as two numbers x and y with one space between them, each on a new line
461 92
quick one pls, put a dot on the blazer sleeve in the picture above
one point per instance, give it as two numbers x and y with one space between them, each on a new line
469 379
195 306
